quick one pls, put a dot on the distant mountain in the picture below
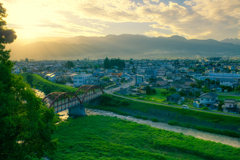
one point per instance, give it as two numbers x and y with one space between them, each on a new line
231 40
123 46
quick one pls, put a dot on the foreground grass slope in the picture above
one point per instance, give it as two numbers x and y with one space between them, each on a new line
99 137
44 85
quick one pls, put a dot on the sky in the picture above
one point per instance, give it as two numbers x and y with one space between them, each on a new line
192 19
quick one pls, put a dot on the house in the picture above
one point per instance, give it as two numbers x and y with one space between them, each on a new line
209 99
93 81
216 88
227 81
161 81
126 76
230 105
119 74
138 79
190 81
142 88
174 98
115 78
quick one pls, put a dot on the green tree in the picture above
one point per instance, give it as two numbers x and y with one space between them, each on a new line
26 125
69 64
106 63
172 90
164 92
182 93
105 78
24 69
29 79
193 85
148 90
205 89
237 89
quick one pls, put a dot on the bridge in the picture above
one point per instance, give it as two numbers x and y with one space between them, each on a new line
61 101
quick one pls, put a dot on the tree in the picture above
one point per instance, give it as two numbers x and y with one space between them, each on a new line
172 90
24 69
182 93
148 90
26 60
237 89
164 92
105 78
26 125
69 64
29 79
193 85
205 89
106 63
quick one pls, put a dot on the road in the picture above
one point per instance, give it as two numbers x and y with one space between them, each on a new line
123 86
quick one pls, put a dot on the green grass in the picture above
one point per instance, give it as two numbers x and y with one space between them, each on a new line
228 97
158 97
99 137
47 86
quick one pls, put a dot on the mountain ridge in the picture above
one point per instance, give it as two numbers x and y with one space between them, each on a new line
123 46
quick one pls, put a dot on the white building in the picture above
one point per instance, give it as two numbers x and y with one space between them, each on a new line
80 79
138 79
208 98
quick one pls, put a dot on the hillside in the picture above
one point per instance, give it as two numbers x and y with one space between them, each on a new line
231 40
123 46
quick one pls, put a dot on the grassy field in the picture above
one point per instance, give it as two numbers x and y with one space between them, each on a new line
47 86
99 137
160 98
210 122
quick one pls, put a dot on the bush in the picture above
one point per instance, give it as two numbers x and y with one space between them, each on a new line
154 120
172 90
124 102
164 92
205 108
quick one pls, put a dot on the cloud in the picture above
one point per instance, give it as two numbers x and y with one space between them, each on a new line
217 19
157 1
157 34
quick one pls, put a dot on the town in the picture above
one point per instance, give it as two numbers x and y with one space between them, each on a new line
208 83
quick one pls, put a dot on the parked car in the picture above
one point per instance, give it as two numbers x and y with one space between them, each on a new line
185 107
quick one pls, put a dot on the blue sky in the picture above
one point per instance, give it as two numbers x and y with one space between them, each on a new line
192 19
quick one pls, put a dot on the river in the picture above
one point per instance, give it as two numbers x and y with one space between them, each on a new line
235 142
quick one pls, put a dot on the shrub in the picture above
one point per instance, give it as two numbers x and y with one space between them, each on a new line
124 103
205 108
154 120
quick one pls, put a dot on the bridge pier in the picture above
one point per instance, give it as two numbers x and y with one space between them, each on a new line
77 111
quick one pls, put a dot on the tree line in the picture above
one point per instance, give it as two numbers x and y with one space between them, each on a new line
114 62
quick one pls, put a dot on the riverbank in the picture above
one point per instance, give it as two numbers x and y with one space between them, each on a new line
204 121
99 137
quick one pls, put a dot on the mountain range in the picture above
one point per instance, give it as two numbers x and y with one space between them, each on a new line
123 46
